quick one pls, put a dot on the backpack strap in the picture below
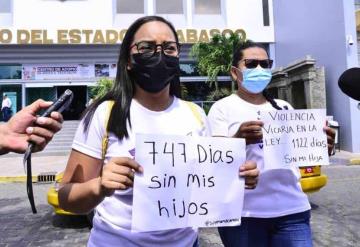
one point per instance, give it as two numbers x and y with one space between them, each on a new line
196 113
105 139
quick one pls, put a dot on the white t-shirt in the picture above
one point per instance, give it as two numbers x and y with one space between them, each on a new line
6 103
278 191
112 220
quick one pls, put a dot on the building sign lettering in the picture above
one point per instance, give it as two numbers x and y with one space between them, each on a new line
99 36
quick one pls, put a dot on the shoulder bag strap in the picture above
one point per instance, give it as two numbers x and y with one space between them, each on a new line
105 140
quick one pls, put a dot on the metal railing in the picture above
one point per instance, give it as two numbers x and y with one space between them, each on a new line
204 104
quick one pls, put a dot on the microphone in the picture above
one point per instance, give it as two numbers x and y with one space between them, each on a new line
61 104
349 83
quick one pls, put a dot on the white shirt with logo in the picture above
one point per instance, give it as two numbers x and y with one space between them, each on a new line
278 191
112 220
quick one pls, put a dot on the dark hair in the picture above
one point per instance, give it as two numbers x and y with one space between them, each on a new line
238 55
123 89
240 47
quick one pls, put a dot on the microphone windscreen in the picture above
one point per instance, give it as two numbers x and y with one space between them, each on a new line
349 83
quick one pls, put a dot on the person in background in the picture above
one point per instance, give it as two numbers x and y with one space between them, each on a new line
277 211
6 108
146 100
25 127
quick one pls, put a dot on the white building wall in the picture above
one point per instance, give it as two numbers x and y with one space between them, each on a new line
54 15
247 14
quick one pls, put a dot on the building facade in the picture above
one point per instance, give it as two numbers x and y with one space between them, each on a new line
47 46
323 29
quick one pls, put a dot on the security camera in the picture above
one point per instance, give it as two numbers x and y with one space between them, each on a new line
350 40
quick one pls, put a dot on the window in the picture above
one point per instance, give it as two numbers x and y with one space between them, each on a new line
130 6
5 6
266 15
357 4
208 7
169 7
188 69
10 71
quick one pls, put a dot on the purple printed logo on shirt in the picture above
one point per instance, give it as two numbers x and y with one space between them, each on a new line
260 144
132 152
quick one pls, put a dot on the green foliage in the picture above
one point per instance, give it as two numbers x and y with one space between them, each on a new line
218 94
184 91
102 86
214 58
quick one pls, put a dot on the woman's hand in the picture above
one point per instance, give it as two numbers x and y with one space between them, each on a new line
250 173
118 174
251 131
330 133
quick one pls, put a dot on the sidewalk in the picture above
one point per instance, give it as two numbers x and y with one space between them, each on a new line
12 170
345 158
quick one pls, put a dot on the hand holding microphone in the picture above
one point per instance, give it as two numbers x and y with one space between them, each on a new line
25 127
61 104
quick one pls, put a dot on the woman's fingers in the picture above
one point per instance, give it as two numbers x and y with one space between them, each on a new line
118 171
250 183
250 173
330 135
258 123
128 162
253 137
251 131
118 174
116 181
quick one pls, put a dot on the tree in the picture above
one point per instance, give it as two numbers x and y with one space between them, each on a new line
214 59
103 85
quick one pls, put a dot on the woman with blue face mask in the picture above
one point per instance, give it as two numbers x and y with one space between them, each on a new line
276 212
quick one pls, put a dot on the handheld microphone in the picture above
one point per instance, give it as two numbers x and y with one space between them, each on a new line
61 104
349 83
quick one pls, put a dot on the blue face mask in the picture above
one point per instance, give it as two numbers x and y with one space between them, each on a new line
256 80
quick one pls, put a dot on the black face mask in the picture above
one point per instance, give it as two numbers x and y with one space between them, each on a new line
154 73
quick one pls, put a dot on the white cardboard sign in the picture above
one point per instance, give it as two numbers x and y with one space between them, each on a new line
187 182
294 138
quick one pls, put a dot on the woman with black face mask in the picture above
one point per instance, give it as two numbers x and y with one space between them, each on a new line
145 99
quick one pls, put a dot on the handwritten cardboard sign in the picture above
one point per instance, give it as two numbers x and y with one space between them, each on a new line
294 138
187 182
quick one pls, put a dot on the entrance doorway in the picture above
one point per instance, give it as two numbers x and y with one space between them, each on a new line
77 106
15 95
